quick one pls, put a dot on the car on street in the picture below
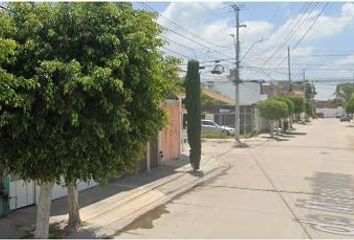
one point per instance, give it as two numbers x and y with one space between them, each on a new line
345 119
211 127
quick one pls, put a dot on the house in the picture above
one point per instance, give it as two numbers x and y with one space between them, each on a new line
164 146
171 137
250 91
224 114
329 108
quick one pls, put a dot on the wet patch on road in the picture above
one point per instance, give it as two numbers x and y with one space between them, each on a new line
146 220
333 204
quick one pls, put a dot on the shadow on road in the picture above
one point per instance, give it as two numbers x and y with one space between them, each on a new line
333 193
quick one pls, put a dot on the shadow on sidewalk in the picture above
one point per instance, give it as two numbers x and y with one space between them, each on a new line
276 138
296 133
21 222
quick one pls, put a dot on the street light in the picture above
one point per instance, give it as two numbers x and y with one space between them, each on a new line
253 44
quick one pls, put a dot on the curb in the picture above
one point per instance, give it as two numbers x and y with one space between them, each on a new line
148 197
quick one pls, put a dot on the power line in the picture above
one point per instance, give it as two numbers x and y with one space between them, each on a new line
292 29
314 22
179 26
308 30
180 44
175 52
6 9
194 41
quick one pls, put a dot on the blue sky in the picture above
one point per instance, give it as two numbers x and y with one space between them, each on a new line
320 37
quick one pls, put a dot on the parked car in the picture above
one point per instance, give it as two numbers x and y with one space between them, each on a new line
211 127
345 119
319 115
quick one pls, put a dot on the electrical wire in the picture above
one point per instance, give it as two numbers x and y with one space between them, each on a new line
175 52
181 27
293 29
314 22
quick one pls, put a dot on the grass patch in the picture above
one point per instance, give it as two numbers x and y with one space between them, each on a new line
215 136
223 136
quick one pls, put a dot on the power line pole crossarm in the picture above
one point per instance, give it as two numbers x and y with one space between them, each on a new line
237 71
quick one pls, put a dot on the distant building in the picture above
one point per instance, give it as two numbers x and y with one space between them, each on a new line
224 114
250 92
329 108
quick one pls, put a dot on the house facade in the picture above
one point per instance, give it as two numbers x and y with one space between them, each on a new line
250 120
250 93
164 146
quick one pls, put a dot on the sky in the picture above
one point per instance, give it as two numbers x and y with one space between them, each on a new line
320 37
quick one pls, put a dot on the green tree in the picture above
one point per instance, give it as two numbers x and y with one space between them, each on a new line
344 92
207 101
192 84
350 106
273 110
308 109
299 105
81 85
291 107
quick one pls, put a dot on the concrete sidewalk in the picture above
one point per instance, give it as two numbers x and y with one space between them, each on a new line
106 209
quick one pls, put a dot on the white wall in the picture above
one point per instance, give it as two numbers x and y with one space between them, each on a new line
260 123
331 112
24 194
250 92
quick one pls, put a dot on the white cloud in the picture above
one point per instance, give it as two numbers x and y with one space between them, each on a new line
199 18
196 18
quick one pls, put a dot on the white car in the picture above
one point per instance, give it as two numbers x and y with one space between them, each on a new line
210 127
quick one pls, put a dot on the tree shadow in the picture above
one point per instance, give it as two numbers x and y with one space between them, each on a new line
280 139
276 138
296 133
241 145
196 173
284 135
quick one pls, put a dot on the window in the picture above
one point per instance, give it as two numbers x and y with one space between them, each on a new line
208 123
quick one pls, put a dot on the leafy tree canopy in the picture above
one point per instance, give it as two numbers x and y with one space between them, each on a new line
80 89
288 102
273 109
350 106
298 103
308 108
344 92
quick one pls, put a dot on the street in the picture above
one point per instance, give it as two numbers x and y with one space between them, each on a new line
299 187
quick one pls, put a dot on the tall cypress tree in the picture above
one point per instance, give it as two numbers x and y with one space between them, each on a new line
192 85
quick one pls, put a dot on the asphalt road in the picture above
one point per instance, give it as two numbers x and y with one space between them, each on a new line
299 187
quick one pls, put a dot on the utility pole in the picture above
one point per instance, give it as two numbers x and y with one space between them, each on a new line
237 71
313 99
304 81
305 88
289 72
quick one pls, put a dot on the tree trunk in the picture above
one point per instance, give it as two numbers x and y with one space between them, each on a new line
291 122
74 209
277 128
271 129
43 211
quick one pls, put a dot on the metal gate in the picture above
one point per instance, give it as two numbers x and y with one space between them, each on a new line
22 193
